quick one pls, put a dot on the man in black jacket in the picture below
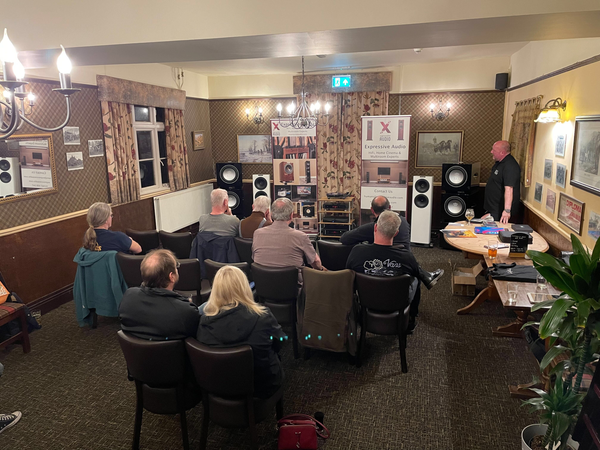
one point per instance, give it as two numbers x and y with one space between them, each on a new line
366 233
154 311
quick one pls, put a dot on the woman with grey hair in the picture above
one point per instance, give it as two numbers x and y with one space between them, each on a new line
99 238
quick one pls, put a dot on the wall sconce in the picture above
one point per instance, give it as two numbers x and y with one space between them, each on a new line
551 112
440 114
257 117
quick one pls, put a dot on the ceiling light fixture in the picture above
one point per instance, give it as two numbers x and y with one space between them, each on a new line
304 116
440 114
13 73
551 112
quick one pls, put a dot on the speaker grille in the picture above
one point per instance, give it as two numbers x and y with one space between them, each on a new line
456 176
455 206
422 185
421 201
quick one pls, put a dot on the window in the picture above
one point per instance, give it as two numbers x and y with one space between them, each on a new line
151 147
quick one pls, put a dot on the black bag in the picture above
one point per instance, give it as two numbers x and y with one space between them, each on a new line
514 272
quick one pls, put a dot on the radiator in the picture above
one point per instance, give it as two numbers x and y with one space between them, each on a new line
181 209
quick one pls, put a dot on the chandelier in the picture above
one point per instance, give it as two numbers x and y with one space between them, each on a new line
440 114
303 116
13 105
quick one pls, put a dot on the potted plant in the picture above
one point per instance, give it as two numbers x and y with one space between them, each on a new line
572 324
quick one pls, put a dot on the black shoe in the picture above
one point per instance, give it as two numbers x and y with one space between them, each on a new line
412 324
432 278
8 420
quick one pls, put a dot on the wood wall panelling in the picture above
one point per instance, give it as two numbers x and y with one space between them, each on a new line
197 118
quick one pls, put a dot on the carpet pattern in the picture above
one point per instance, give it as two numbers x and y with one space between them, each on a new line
73 391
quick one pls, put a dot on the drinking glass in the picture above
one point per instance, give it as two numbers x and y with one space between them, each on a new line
492 249
469 214
513 292
542 286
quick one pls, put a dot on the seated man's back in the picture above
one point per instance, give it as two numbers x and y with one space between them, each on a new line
219 221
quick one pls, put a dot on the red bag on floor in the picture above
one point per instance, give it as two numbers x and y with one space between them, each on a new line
299 432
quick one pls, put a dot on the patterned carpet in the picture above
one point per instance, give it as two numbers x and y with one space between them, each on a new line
74 394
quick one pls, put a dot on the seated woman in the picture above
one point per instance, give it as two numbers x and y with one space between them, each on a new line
232 318
99 238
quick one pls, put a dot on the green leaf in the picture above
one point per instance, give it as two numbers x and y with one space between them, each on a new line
583 311
580 284
529 324
544 259
579 249
596 252
543 305
552 319
579 266
551 354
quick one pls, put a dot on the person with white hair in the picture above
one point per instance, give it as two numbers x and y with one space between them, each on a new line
219 221
382 258
260 217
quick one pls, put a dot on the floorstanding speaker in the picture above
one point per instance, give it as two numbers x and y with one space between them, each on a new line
421 210
454 204
460 177
10 176
236 202
261 186
229 175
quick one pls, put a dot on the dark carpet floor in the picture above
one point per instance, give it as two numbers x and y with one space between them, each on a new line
73 391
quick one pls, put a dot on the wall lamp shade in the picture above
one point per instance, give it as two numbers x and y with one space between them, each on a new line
551 112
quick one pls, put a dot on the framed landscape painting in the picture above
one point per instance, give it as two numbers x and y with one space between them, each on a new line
435 148
255 149
586 154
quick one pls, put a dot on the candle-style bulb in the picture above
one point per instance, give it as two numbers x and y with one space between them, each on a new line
260 110
63 62
7 95
279 107
8 52
31 98
327 107
432 107
18 70
247 112
448 105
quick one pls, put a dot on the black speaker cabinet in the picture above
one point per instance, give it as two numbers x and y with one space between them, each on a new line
460 177
367 177
501 81
236 202
307 166
454 204
229 175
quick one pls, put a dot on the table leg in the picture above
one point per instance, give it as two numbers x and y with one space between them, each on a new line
489 292
513 329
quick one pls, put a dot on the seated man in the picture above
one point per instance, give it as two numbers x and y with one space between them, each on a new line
366 233
219 221
281 246
260 217
383 259
153 310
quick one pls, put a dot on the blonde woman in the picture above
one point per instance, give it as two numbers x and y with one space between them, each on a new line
232 318
99 238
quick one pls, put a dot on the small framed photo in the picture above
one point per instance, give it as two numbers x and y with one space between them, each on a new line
561 175
550 200
537 195
74 160
435 148
256 149
560 144
96 148
570 212
198 140
594 225
71 136
548 163
585 169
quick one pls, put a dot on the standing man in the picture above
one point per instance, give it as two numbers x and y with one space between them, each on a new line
503 188
260 217
219 221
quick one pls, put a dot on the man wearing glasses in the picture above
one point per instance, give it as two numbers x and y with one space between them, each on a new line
154 311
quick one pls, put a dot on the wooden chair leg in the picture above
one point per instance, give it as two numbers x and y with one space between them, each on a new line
279 409
24 332
402 345
139 411
205 420
184 431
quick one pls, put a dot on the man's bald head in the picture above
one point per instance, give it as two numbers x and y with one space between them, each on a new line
380 204
500 149
157 267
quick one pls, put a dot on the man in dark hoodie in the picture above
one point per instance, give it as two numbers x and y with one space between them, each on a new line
154 311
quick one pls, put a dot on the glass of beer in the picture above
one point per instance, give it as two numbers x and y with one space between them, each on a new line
492 249
469 214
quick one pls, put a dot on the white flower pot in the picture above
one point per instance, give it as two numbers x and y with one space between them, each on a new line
530 431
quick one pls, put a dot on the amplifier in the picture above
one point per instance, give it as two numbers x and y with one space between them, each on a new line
335 219
333 230
334 206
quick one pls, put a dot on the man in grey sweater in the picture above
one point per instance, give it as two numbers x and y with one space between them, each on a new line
219 221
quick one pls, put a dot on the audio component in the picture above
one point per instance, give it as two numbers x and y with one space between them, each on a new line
308 209
401 130
421 210
286 172
261 185
334 206
307 166
367 177
501 81
383 174
10 176
369 130
236 202
460 177
229 175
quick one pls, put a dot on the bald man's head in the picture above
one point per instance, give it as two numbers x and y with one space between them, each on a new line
380 204
157 267
500 149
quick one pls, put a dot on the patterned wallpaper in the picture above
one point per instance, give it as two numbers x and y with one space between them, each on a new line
197 118
228 119
478 114
77 189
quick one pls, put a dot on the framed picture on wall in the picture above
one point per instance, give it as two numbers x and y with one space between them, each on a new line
256 149
537 195
570 212
561 175
559 145
435 148
548 163
594 225
585 172
550 200
198 140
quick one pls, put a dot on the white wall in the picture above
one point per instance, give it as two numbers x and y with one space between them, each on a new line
541 57
245 86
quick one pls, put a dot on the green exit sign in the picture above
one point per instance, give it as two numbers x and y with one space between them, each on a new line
343 81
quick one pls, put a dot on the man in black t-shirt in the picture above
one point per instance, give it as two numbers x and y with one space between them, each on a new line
383 259
503 188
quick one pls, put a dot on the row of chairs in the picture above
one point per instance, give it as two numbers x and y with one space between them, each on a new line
224 377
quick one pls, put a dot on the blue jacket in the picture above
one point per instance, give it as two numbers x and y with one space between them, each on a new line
211 246
98 284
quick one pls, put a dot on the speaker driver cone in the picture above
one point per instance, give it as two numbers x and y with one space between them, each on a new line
229 174
260 183
4 164
234 200
456 176
421 201
5 177
261 194
288 168
422 186
455 206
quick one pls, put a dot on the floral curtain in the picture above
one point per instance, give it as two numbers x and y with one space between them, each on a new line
339 148
177 157
121 160
522 136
